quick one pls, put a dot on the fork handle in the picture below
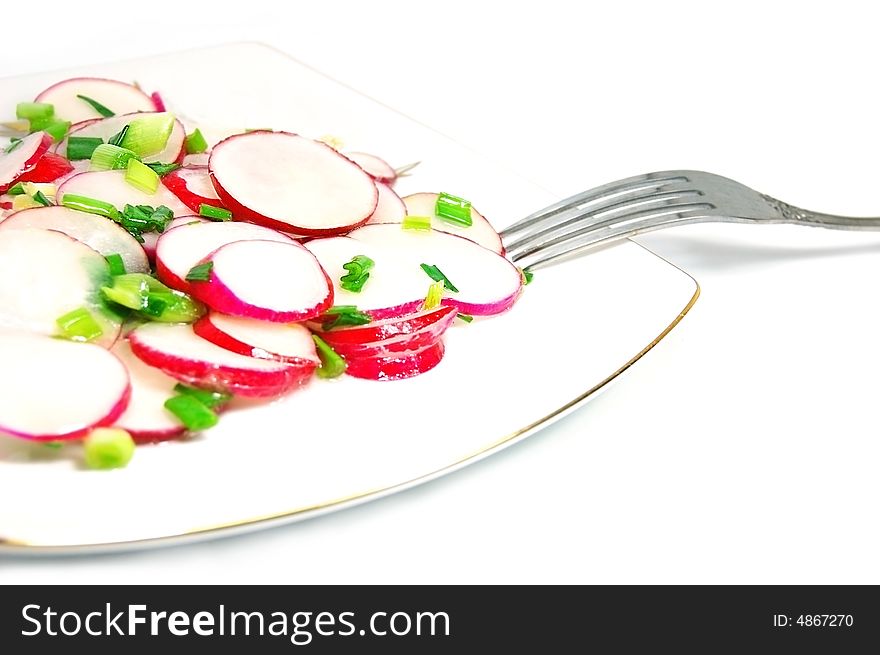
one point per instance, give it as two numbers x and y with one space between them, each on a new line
796 215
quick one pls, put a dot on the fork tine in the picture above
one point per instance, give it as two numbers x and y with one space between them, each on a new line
627 185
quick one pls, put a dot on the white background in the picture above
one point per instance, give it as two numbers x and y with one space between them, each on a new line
744 448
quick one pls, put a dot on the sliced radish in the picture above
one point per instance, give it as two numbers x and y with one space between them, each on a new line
151 239
158 102
487 283
192 185
97 232
107 127
182 354
289 343
118 97
110 186
44 275
22 158
198 159
398 366
49 168
178 250
390 208
56 389
146 418
291 183
481 231
376 167
266 280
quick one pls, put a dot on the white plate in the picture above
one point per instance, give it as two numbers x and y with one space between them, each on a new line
337 443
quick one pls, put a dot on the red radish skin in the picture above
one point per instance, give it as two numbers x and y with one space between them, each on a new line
396 367
177 251
52 389
390 208
389 328
50 168
25 157
376 167
118 97
288 343
290 183
158 103
192 185
179 352
480 232
265 280
393 346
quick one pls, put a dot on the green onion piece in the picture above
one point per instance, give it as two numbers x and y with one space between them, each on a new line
13 144
41 198
332 365
108 448
148 135
358 273
214 213
200 272
153 299
53 445
82 147
97 106
90 205
416 223
343 315
117 138
117 266
437 275
212 399
107 157
196 143
57 130
527 276
30 111
141 176
163 169
16 189
435 295
79 325
191 412
454 209
467 318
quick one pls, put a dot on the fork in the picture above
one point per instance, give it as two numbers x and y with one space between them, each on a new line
653 201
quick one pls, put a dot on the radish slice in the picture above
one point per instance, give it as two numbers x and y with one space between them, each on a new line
118 97
390 208
146 418
179 352
46 274
382 338
266 280
481 231
376 167
97 232
49 168
151 239
289 343
56 389
110 186
393 289
291 183
487 282
180 249
158 102
192 185
398 366
106 128
24 157
198 159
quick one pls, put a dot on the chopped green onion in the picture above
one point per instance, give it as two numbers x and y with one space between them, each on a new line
435 295
24 201
148 135
107 157
13 144
53 445
97 106
212 399
116 264
358 273
79 325
153 299
163 169
141 177
527 276
416 223
196 143
108 448
437 275
467 318
117 138
41 198
332 365
343 315
454 209
191 412
82 147
30 111
214 213
16 189
90 205
200 272
57 130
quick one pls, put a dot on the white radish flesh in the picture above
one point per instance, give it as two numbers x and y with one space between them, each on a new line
291 343
97 232
376 167
291 183
22 157
481 230
487 283
266 280
390 208
118 97
192 185
178 250
151 239
56 389
46 274
110 186
179 352
108 127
